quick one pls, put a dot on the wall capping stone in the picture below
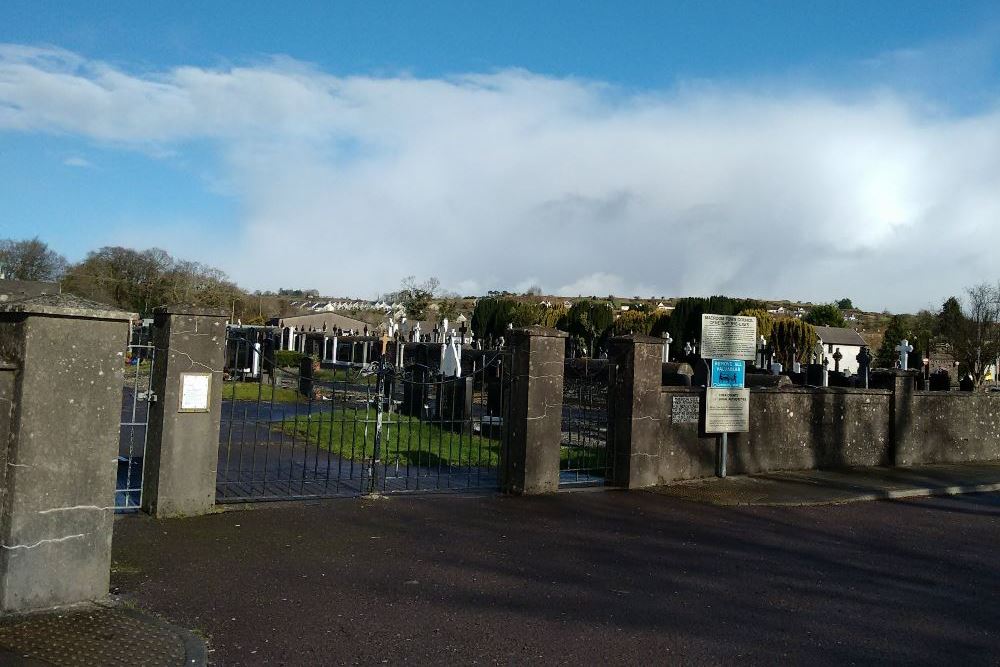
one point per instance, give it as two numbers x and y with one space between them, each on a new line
65 305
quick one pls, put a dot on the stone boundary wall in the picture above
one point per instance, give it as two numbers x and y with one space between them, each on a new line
949 427
790 429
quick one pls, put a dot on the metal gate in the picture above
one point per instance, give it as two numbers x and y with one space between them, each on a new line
583 452
334 429
140 357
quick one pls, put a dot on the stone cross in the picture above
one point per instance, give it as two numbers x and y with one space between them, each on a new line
837 356
864 358
761 346
463 330
385 341
904 348
818 352
667 340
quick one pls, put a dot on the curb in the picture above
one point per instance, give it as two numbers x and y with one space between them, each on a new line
888 494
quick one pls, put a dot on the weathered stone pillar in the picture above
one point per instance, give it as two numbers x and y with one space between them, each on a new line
633 410
905 451
61 379
531 464
182 450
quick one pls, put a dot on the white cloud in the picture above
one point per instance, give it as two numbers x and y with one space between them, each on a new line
506 179
77 161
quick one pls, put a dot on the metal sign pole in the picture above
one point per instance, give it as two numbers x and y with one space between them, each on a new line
723 447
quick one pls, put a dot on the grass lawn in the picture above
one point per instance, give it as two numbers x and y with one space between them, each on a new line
405 440
250 391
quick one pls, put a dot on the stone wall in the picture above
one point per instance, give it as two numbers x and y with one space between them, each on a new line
790 429
949 427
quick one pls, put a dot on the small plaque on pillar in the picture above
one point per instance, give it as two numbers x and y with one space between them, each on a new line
196 391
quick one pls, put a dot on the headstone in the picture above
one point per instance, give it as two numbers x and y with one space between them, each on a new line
667 340
826 372
837 356
940 380
761 347
777 368
966 383
817 351
864 359
904 348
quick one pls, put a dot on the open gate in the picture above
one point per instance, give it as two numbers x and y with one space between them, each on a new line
327 429
137 394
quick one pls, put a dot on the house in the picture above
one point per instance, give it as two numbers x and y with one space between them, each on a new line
848 341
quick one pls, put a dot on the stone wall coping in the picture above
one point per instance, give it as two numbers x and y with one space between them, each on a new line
65 305
795 390
185 309
924 393
537 330
636 338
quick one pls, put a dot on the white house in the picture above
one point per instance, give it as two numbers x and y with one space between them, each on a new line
848 341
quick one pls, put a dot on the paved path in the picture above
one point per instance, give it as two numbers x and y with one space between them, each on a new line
591 577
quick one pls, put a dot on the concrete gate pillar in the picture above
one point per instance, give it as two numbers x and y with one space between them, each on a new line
633 409
61 376
182 449
531 464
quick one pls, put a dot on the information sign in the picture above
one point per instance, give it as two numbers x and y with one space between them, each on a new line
727 410
728 373
728 337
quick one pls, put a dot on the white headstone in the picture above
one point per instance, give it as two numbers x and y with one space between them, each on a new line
667 340
777 368
451 359
904 348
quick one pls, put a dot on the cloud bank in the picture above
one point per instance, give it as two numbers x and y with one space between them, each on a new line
508 179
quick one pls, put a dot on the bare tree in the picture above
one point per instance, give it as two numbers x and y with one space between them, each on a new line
415 297
973 332
31 259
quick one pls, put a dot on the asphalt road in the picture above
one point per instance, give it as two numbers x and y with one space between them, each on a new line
591 577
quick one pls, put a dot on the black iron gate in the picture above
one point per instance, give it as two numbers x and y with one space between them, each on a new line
329 429
583 452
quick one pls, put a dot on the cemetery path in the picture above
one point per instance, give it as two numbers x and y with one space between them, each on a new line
598 577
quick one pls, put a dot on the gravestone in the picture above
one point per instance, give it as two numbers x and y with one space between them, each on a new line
940 380
904 348
864 359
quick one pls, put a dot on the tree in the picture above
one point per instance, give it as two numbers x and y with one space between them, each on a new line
633 321
142 280
972 330
31 259
825 315
896 331
845 304
788 334
415 297
589 322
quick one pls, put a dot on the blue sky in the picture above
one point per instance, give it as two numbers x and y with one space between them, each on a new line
301 145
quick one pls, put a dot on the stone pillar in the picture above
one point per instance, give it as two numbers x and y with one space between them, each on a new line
531 464
633 406
904 451
182 449
61 379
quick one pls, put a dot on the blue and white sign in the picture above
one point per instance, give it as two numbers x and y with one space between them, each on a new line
728 373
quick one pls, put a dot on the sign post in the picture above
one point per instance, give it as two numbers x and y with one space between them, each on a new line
729 341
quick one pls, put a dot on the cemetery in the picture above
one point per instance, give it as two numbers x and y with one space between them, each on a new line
204 412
